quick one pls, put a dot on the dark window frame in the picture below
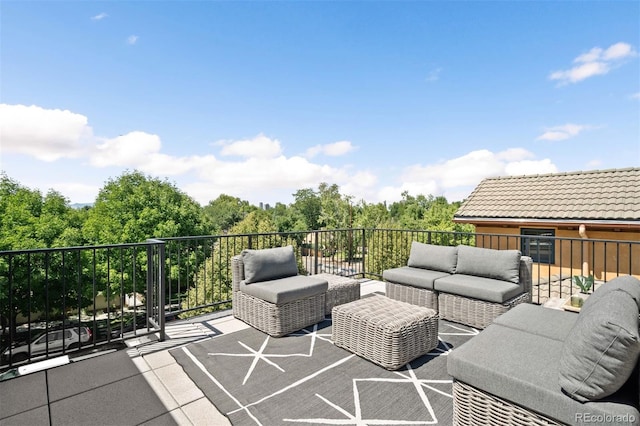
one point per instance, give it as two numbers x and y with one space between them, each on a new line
541 250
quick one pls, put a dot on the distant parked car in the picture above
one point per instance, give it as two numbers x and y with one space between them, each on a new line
125 325
52 341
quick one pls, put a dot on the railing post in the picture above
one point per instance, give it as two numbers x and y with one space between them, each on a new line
156 273
364 247
315 252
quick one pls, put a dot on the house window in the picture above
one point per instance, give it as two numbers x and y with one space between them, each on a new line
540 249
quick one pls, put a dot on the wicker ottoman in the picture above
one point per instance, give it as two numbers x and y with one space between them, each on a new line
387 332
341 290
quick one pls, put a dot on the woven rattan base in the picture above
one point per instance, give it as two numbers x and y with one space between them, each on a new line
387 332
414 295
473 312
278 320
472 406
341 290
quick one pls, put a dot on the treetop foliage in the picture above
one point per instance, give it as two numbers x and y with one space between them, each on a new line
134 207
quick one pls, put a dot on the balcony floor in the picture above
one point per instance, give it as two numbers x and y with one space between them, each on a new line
140 385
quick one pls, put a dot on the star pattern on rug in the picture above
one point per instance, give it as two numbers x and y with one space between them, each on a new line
357 418
260 355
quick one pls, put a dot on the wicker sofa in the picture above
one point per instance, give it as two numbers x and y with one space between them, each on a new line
536 365
270 295
469 285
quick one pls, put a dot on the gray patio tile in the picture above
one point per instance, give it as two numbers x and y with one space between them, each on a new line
35 417
179 385
127 401
14 393
78 377
203 412
159 359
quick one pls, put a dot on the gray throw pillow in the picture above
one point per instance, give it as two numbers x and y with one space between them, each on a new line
269 264
602 349
436 258
483 262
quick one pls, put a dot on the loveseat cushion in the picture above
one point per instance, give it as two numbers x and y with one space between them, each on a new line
285 290
414 277
269 264
436 258
482 262
552 323
487 289
522 368
602 350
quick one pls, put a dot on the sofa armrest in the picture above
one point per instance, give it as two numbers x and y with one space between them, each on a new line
237 272
525 278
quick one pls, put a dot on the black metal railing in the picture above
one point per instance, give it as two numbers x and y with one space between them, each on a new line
125 290
54 301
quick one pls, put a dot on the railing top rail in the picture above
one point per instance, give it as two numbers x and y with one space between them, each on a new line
161 240
149 242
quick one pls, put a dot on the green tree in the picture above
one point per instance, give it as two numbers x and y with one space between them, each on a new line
335 210
224 212
42 281
370 215
133 208
307 204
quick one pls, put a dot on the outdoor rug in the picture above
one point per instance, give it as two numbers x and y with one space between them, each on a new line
303 378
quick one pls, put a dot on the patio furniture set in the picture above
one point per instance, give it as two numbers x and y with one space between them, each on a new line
529 364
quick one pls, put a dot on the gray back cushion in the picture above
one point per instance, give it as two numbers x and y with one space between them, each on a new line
602 349
269 264
626 283
498 264
436 258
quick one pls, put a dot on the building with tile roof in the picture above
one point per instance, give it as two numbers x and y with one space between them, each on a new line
600 198
561 214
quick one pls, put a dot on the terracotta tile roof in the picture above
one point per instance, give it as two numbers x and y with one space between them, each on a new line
599 195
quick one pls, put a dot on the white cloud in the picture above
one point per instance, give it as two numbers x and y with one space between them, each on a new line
560 133
46 134
635 95
132 39
618 51
255 169
129 150
260 146
335 149
99 16
530 167
597 61
456 178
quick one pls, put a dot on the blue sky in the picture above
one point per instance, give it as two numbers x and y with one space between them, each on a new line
260 99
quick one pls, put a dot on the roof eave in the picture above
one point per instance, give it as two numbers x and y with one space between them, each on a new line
604 223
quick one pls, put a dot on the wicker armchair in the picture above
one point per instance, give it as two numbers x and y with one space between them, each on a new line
277 319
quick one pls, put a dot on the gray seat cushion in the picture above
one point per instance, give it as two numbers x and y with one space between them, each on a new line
269 264
602 350
552 323
436 258
482 262
285 290
414 277
523 368
487 289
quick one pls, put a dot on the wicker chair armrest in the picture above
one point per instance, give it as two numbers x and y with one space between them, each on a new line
525 278
237 272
